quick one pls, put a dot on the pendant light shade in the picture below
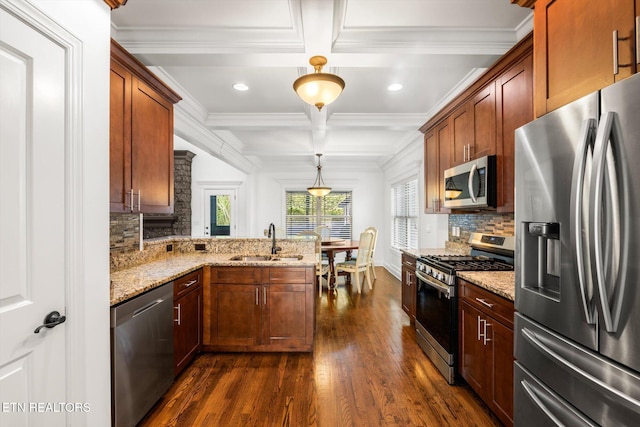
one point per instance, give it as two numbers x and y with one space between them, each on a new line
319 188
318 88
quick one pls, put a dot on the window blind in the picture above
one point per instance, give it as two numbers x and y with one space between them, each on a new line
306 212
404 214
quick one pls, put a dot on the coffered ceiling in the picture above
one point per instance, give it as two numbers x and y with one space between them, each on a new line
434 48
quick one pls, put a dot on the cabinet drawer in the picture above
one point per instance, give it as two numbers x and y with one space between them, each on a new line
408 261
489 303
240 275
290 275
187 283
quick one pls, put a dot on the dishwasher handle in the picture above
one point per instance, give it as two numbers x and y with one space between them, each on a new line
147 307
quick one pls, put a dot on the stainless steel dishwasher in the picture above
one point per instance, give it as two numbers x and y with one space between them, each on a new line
141 354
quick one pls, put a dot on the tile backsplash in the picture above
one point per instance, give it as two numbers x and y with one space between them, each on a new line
492 223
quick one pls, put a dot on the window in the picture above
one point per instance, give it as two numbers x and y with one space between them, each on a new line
306 212
404 214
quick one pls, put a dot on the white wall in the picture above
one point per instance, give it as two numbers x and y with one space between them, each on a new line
89 382
208 172
261 196
433 228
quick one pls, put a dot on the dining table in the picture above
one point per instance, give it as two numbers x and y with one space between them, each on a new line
331 246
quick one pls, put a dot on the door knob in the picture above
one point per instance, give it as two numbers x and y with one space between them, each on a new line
52 320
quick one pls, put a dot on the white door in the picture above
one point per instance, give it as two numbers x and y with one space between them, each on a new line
220 213
33 212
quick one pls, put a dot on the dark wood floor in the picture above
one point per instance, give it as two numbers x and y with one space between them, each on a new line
366 370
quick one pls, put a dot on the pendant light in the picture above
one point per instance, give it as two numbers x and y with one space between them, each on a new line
319 188
450 189
318 88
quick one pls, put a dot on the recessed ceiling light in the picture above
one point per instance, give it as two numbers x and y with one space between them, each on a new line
241 87
394 87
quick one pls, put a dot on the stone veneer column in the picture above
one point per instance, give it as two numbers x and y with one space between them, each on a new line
182 190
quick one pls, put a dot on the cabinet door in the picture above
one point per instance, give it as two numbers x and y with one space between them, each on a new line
431 171
502 371
436 154
514 98
573 48
234 315
120 139
187 328
462 134
288 316
152 149
409 292
483 108
473 352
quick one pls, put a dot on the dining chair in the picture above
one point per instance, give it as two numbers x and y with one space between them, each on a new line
361 263
373 250
322 268
325 234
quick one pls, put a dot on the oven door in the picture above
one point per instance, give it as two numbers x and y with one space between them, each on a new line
435 310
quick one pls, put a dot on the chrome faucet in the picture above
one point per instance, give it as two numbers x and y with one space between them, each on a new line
272 234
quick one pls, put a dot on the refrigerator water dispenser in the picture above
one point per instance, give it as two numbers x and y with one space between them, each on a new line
541 250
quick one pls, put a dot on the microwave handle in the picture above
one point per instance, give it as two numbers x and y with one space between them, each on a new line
474 168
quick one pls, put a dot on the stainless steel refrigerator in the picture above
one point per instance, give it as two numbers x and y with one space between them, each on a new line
577 343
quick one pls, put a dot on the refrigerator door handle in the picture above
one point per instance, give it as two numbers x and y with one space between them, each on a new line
472 174
581 175
539 397
623 398
610 169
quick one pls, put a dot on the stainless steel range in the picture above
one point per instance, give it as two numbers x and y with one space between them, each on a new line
436 302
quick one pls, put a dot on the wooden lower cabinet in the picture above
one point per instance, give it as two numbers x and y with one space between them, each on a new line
259 309
187 330
409 286
486 347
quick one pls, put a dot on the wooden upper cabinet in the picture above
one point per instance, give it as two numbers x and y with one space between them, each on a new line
514 106
120 138
461 133
436 152
481 122
484 123
141 137
574 48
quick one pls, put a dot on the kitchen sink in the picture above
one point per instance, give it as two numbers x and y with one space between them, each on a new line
251 258
287 258
266 258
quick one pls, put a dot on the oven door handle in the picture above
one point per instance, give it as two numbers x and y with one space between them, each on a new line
447 290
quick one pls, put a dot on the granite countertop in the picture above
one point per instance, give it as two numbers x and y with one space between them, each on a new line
499 282
130 282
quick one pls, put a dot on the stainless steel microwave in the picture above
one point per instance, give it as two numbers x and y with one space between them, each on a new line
471 185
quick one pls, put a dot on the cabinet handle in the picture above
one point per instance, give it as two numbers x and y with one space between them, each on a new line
257 296
464 153
637 39
131 204
139 192
615 52
193 282
177 320
478 325
264 295
486 335
616 64
484 302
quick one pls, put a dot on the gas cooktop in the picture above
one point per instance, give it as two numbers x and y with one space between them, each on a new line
467 263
